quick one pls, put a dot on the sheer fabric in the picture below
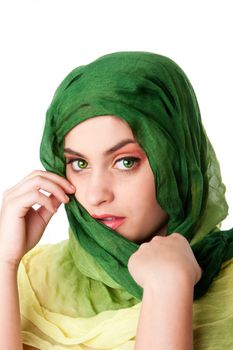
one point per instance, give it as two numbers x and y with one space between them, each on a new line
64 306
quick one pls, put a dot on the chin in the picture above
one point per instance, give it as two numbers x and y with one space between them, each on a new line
131 238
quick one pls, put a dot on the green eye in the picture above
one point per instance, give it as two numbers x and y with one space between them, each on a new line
128 162
79 164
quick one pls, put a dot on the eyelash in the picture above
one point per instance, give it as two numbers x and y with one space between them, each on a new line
135 159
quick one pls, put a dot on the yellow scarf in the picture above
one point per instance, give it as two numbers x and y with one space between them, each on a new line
53 318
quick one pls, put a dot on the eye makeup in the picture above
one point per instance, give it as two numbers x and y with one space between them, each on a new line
129 148
113 149
129 152
135 160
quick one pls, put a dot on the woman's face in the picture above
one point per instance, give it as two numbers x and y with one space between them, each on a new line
112 176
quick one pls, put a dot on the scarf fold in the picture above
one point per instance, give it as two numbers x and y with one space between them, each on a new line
85 308
154 96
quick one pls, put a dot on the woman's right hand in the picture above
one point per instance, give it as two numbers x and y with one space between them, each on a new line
21 226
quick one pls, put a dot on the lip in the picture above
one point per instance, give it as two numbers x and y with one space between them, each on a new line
105 215
116 222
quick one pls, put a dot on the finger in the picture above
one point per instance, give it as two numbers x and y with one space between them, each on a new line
23 203
63 182
30 175
44 213
157 238
40 183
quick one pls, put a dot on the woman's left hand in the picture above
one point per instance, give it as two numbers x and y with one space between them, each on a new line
163 260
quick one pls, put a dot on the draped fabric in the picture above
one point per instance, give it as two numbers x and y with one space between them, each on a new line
154 96
66 305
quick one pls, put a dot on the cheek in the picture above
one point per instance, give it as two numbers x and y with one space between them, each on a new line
148 196
143 191
147 186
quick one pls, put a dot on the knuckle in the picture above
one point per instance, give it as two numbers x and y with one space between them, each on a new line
157 238
177 235
37 181
143 246
37 172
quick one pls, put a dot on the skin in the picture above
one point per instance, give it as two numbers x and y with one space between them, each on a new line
104 185
164 266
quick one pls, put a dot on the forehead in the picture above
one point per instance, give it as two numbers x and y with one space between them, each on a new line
101 135
103 129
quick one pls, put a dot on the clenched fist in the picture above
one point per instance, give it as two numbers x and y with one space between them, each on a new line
163 260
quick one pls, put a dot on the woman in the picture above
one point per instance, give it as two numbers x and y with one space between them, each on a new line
125 131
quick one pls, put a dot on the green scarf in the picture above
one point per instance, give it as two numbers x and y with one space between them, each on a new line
154 96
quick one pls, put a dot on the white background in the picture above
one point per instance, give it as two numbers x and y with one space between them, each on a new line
42 40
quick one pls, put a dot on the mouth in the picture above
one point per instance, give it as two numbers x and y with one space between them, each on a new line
110 220
113 223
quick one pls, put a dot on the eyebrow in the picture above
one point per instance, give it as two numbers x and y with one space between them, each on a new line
109 151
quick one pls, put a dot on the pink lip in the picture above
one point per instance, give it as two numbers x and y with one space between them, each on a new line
105 215
116 222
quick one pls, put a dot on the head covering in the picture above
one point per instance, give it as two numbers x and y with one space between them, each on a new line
154 96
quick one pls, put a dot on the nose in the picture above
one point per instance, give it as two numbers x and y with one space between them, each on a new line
99 189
